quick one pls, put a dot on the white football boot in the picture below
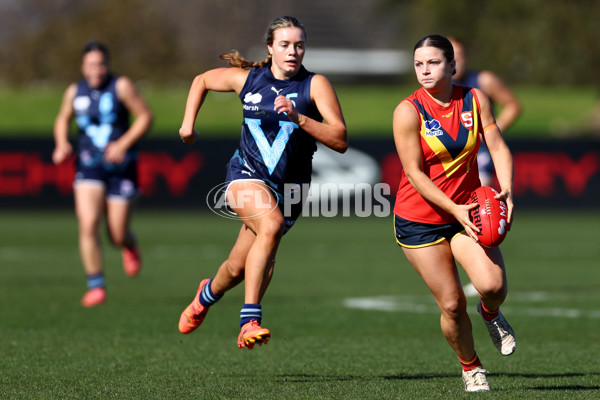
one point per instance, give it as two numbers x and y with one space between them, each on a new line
501 333
475 380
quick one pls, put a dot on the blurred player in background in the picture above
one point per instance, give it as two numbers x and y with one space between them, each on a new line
284 106
437 134
106 164
498 93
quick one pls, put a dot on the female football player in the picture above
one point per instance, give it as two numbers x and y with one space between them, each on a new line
284 106
106 164
437 133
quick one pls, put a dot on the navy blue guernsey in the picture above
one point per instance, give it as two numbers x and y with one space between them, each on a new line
275 147
470 79
100 117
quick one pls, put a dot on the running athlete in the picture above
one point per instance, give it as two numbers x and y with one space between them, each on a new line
284 106
497 91
437 133
106 163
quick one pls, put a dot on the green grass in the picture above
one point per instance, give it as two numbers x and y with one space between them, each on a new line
368 110
129 348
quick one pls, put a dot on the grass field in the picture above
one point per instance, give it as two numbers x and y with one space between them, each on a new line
129 348
547 111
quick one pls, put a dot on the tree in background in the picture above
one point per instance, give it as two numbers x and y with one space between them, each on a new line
529 42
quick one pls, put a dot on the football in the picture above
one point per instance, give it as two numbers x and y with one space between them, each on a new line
489 216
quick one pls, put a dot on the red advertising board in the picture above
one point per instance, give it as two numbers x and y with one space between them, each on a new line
548 174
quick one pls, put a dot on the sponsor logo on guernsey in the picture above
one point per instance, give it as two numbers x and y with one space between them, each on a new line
448 115
432 128
253 98
275 90
81 103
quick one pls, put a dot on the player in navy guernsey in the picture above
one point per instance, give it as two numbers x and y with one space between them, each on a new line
499 94
106 162
284 108
271 143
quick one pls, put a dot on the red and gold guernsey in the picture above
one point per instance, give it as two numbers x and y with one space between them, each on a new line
449 143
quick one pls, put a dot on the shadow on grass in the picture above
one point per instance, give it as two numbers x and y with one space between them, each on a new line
305 378
341 378
418 376
573 387
566 387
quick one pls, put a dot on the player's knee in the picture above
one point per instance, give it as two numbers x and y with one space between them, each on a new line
273 227
453 308
493 290
88 230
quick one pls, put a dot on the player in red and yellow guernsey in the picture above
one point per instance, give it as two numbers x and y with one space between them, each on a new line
449 136
437 132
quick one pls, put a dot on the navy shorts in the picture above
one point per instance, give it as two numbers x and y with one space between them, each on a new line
119 180
416 234
239 169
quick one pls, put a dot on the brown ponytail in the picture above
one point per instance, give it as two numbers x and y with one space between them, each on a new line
235 59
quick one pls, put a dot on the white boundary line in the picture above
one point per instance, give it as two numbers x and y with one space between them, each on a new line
418 304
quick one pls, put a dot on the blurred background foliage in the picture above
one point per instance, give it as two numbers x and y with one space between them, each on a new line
541 42
550 42
546 50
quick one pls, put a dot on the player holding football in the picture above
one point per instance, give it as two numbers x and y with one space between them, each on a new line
437 133
284 106
106 165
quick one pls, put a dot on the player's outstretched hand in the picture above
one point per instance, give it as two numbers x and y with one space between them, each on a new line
187 136
61 153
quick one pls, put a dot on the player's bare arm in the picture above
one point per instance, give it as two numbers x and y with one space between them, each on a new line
142 120
63 148
499 151
218 80
332 133
500 94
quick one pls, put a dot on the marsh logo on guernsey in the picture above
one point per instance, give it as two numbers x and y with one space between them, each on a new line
253 98
432 128
81 104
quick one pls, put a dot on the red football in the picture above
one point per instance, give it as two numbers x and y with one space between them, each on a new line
489 216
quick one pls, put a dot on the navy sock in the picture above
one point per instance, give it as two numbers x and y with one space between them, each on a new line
207 298
250 312
96 281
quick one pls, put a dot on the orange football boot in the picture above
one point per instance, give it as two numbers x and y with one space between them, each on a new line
251 334
194 314
94 297
132 261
